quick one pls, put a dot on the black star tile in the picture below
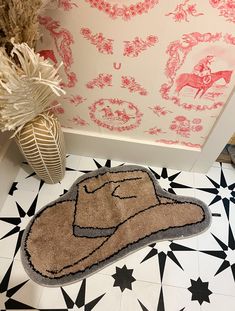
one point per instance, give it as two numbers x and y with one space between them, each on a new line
162 256
68 169
142 306
31 175
42 183
173 185
108 163
123 278
80 300
16 222
13 188
215 190
65 191
223 253
200 291
5 281
161 306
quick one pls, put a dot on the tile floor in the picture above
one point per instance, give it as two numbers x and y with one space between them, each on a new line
191 275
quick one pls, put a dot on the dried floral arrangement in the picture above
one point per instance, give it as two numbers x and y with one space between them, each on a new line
26 89
28 82
19 20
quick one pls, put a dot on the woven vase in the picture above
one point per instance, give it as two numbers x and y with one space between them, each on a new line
42 143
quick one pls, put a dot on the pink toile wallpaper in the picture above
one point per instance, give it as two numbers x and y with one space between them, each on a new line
152 70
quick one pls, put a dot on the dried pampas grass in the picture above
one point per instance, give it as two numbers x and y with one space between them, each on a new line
27 89
19 20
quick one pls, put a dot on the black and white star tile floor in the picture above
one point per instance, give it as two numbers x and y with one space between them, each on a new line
195 274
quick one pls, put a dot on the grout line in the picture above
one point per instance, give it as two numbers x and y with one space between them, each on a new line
149 282
233 296
3 257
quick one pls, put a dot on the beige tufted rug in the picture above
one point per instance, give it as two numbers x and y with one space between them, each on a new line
105 215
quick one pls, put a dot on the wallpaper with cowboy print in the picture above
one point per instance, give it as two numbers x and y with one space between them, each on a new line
152 70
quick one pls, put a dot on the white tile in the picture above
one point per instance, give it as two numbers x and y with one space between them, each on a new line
49 193
214 173
175 179
73 289
201 181
204 196
45 199
216 164
25 181
219 228
219 302
9 232
52 298
69 178
23 198
89 163
232 217
143 293
222 283
8 244
31 299
229 166
4 265
3 300
99 285
229 174
73 161
180 277
191 242
176 298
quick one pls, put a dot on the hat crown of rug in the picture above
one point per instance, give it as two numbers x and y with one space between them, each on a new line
118 196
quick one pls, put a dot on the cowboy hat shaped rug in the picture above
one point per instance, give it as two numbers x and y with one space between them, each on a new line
105 215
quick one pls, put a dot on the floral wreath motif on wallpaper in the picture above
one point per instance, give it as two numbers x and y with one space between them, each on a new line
115 114
63 40
103 45
183 11
79 121
155 131
125 12
178 142
178 51
76 100
138 45
132 48
226 8
183 127
66 4
127 82
160 110
103 80
130 83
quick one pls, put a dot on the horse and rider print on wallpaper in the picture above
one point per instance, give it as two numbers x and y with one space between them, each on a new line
149 70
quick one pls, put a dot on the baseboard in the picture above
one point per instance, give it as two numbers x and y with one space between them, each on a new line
10 159
128 150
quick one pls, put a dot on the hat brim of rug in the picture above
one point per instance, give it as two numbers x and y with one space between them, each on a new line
42 244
